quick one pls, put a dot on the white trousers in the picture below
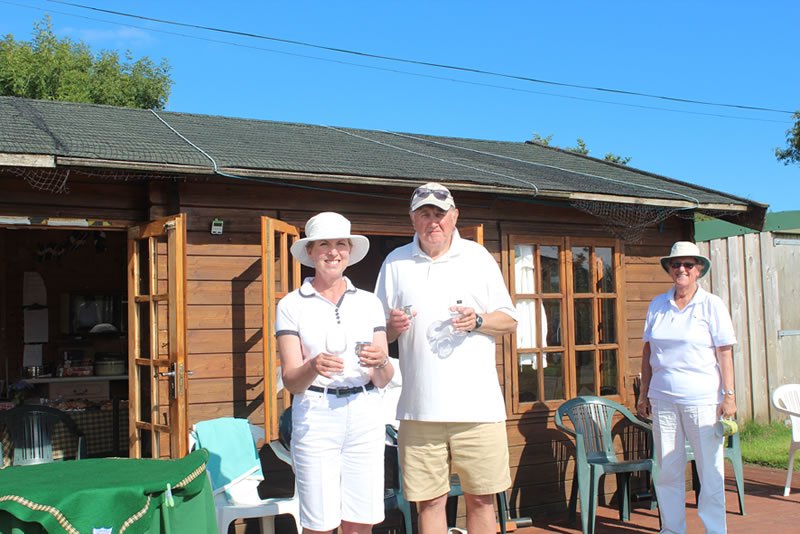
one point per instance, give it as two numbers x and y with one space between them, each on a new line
672 425
337 454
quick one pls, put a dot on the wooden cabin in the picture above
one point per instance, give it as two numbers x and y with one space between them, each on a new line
180 225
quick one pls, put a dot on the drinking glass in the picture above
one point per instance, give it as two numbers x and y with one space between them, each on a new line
455 315
335 341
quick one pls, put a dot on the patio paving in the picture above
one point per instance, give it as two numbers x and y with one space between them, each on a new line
767 510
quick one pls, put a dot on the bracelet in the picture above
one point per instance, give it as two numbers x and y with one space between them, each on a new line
729 392
382 365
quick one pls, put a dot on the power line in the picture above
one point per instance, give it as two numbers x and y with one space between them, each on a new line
423 63
396 71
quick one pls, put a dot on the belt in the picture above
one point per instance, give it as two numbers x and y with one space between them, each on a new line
343 392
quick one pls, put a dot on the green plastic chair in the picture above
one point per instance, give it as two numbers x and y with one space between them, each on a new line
592 421
732 450
30 428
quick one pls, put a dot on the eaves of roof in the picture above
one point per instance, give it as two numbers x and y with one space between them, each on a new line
63 133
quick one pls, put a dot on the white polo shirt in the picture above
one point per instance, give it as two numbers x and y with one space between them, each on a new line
308 315
682 347
446 377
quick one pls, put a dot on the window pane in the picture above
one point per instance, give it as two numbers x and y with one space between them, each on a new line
551 310
553 376
605 269
584 367
607 328
584 329
528 378
582 278
526 326
608 372
551 274
524 265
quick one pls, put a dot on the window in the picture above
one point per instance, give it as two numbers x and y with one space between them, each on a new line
566 291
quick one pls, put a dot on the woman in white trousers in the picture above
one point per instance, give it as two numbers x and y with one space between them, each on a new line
687 386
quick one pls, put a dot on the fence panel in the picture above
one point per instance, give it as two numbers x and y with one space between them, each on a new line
759 282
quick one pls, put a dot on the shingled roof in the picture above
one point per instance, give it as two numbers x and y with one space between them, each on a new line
86 134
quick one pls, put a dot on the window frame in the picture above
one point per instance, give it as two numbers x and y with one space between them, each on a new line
567 296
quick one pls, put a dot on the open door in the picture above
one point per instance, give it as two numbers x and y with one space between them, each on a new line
474 233
157 339
280 275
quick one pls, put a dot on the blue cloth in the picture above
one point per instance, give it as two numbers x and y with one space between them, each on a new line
231 448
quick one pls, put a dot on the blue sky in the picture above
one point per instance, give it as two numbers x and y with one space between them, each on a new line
734 52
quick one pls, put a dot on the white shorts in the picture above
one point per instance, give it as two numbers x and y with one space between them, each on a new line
337 452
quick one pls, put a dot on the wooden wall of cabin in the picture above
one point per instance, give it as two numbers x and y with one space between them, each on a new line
224 298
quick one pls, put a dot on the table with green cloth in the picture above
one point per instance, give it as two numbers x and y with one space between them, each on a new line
108 496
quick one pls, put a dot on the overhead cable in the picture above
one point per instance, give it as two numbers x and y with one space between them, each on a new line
423 63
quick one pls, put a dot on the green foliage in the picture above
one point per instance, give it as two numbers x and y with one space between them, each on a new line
48 68
542 140
791 154
766 445
619 160
580 149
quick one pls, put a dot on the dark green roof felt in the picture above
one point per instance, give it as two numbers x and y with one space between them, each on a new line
138 136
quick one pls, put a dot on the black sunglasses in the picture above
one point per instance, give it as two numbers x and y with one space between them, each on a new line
686 265
424 192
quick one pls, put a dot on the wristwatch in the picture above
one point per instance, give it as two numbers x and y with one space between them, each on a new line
478 322
728 392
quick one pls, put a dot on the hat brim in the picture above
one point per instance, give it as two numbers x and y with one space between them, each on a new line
702 259
357 253
445 204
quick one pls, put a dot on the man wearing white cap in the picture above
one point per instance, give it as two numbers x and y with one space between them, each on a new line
445 301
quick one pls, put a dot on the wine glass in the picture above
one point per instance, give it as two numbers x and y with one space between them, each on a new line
335 341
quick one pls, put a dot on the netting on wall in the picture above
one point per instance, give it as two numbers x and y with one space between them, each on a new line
628 222
56 180
43 179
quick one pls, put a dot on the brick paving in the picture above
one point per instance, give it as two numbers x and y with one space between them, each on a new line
767 510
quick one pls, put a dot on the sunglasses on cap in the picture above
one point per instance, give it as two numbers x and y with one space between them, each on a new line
686 265
424 192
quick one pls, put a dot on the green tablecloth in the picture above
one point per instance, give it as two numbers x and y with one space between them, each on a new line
120 494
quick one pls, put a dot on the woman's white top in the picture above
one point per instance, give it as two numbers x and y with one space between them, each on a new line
682 347
308 315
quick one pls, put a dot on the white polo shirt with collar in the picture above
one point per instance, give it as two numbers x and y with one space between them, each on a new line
682 347
308 315
446 377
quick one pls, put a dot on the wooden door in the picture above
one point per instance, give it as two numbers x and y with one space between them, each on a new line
280 274
474 233
158 425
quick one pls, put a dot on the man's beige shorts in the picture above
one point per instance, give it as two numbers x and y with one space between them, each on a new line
478 453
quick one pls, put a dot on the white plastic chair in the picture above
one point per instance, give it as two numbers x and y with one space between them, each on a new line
239 498
786 399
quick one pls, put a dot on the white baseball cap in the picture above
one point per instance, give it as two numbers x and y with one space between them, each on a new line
432 194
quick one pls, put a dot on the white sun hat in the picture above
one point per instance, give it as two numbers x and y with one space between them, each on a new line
329 225
686 249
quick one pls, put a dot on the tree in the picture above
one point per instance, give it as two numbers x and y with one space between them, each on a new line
579 149
791 154
48 68
619 160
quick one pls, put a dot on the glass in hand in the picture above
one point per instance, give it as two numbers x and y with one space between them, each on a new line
335 341
456 315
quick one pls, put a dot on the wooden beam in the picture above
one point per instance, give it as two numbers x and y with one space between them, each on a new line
27 160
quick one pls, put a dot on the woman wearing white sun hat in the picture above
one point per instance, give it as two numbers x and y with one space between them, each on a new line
687 384
337 419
